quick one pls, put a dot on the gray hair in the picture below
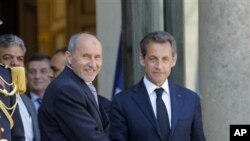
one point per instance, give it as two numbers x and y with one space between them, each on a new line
74 39
8 40
158 37
73 43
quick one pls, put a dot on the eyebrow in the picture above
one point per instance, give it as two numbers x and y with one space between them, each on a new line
12 55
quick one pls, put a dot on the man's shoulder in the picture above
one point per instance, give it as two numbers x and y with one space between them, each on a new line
182 90
59 83
128 92
64 80
64 86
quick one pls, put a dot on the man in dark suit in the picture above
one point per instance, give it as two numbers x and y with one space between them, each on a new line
70 110
58 62
156 109
12 52
39 75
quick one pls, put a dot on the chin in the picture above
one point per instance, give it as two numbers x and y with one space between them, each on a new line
88 79
159 83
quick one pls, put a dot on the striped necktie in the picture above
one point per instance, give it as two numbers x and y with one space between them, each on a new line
39 101
93 90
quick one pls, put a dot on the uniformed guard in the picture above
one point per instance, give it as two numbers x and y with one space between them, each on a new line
5 103
12 83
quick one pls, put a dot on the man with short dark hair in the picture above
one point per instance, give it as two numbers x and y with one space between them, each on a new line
156 109
39 75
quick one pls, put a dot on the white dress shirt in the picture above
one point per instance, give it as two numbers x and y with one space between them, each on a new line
26 120
165 96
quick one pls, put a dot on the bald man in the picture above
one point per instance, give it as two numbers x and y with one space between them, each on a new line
70 110
58 61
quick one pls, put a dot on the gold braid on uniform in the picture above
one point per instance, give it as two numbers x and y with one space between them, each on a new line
18 77
5 110
5 92
18 86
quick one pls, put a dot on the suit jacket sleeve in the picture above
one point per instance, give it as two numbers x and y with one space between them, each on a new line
197 133
118 128
74 114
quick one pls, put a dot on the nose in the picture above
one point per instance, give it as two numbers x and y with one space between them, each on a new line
158 64
92 63
15 62
37 74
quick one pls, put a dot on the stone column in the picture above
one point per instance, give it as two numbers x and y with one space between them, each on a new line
139 17
174 24
224 64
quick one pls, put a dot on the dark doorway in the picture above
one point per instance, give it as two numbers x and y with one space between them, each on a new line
9 17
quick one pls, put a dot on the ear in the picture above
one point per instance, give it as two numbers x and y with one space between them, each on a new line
174 60
51 74
142 60
68 57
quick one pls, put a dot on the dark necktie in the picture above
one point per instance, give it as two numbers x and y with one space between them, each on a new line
39 101
162 114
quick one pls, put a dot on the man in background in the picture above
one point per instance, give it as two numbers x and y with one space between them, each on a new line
39 75
12 52
58 61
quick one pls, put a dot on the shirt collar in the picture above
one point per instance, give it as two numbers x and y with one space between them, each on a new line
151 86
69 66
88 83
34 96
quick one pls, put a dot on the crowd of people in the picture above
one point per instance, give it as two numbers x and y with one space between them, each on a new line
63 104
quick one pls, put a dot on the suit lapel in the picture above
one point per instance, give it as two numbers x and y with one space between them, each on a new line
141 98
176 105
28 105
32 112
103 117
83 85
86 90
89 94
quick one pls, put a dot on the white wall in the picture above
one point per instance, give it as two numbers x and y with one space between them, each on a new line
108 13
